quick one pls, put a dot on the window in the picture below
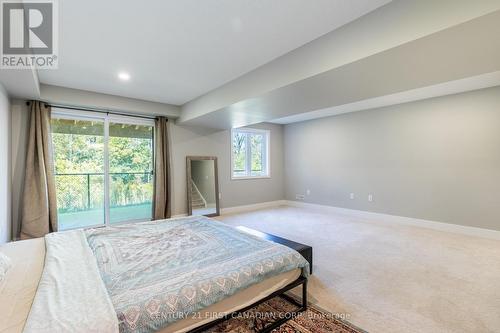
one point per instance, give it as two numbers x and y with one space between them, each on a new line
103 168
250 153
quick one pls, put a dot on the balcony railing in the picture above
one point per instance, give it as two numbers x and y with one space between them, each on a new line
85 191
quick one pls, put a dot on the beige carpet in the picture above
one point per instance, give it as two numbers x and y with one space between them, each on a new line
386 277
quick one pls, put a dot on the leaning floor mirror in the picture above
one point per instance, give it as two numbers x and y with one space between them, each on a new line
202 185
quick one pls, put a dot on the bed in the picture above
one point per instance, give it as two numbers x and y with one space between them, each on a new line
175 275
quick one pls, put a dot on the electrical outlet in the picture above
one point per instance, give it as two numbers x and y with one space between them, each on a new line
370 197
300 196
308 192
220 195
351 196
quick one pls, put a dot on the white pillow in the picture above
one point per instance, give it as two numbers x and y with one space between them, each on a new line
4 266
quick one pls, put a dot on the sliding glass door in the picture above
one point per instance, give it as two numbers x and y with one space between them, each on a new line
130 172
104 168
79 171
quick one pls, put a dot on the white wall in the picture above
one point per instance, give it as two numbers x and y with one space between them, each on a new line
5 184
436 159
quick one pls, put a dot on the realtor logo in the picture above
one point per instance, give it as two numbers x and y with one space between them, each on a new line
29 34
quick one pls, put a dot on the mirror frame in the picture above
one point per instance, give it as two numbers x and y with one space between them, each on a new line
188 177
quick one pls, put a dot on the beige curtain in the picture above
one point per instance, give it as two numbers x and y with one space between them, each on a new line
162 188
39 212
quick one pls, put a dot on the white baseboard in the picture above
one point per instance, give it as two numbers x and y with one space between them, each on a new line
374 217
441 226
244 208
247 208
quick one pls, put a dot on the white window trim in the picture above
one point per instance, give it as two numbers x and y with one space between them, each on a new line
267 134
69 114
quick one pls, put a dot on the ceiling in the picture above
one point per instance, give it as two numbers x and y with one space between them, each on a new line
175 50
482 81
20 83
438 48
230 63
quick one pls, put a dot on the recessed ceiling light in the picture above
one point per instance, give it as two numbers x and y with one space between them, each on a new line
124 76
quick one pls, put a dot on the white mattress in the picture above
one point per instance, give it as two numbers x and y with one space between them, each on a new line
18 290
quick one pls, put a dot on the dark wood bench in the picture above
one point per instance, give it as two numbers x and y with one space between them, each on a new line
304 250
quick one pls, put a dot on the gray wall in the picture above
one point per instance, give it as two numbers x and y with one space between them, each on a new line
437 159
185 141
77 97
198 142
5 196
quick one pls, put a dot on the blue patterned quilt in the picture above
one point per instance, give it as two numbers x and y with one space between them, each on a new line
159 272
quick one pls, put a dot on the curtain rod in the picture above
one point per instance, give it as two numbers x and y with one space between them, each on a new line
82 108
